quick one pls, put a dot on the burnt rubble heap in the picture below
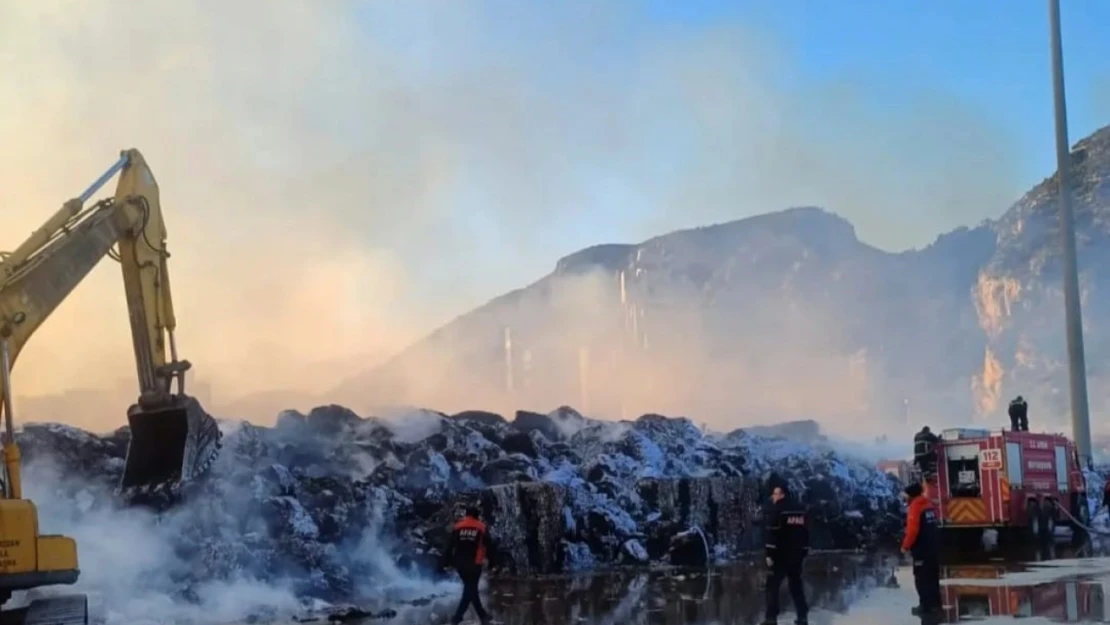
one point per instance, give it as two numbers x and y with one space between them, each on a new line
333 502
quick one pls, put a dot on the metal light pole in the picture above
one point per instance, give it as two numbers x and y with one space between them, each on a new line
624 350
510 388
1077 368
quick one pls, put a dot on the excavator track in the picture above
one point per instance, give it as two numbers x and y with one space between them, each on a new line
68 610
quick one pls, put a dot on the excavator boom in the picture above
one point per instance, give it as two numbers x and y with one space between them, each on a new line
172 438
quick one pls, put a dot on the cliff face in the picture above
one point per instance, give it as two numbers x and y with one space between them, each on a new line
786 315
1019 296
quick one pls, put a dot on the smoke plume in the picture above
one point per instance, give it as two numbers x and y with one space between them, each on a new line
341 178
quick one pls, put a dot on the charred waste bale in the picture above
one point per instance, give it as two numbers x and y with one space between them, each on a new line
527 524
332 420
482 417
528 422
490 425
512 468
522 443
99 459
723 508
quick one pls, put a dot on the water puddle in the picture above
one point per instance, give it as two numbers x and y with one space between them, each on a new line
671 597
842 589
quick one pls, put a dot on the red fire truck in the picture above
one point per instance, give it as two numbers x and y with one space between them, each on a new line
1007 480
979 591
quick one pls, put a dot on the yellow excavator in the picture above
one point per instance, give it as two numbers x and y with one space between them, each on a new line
173 440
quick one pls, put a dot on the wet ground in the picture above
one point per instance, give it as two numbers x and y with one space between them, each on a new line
1052 586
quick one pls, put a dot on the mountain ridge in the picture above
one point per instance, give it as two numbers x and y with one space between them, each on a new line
946 329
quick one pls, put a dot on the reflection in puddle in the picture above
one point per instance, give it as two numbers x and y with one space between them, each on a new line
843 590
975 592
673 597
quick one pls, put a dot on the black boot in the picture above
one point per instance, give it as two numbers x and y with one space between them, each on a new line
920 611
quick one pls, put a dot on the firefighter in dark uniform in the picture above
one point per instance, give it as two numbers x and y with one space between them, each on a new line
466 552
925 451
787 546
1019 415
922 541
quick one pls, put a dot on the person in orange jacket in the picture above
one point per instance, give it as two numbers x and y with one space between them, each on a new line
922 541
466 552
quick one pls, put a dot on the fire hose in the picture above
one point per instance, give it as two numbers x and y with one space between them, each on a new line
1078 523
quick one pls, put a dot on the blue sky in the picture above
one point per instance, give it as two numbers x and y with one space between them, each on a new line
909 118
633 118
992 52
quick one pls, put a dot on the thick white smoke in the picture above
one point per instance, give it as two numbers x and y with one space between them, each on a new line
410 425
189 564
131 561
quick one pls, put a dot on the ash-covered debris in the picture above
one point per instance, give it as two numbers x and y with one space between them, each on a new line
340 506
1097 478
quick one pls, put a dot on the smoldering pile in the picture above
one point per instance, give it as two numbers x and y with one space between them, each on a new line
336 506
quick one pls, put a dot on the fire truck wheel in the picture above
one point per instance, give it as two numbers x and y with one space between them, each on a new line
1033 519
1048 519
1082 514
1083 511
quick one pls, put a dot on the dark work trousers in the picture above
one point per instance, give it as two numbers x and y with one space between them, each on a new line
926 578
926 464
470 596
792 572
1019 424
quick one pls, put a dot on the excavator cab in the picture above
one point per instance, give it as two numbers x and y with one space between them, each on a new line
172 442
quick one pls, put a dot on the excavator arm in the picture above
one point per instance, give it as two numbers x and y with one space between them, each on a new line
172 438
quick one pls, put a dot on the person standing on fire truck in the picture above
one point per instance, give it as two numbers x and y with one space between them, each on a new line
922 541
925 451
1019 415
466 552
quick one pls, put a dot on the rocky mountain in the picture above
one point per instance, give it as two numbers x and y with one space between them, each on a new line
1019 297
787 315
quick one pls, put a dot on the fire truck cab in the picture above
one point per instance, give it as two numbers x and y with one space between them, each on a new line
1007 480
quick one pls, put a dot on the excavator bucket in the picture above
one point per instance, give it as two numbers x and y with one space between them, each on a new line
169 445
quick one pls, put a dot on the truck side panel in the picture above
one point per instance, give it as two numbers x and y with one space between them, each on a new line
1013 494
1040 469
